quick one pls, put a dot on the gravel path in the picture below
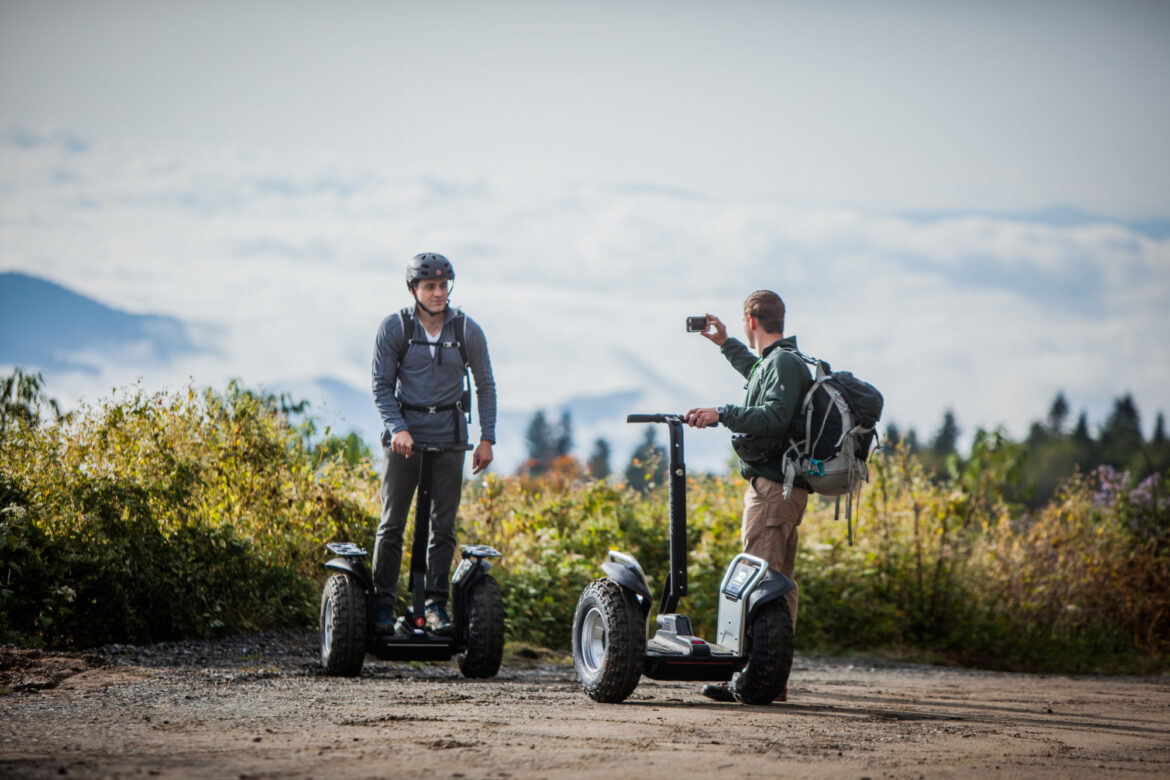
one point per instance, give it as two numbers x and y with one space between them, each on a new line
257 706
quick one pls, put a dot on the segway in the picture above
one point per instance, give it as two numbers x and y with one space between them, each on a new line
348 602
754 634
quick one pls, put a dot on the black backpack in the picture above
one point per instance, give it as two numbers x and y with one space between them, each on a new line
831 436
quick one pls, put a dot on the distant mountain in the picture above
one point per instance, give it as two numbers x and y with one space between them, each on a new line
48 327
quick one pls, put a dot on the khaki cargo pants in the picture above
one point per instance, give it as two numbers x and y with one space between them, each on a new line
770 528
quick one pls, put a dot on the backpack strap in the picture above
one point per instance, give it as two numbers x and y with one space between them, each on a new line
812 361
461 342
407 317
408 339
790 458
461 336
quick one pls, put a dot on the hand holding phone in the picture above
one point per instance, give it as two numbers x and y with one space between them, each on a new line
709 327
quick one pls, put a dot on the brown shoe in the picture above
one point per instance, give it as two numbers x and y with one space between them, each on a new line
783 695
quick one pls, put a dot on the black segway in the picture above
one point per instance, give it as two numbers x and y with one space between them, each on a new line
754 635
348 602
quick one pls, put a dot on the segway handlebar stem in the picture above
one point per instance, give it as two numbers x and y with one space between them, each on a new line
675 586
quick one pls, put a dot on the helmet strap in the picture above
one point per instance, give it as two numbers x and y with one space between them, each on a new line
424 308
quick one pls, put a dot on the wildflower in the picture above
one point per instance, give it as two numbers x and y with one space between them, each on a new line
1111 485
1145 495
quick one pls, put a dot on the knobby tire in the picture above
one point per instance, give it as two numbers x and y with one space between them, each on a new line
485 630
770 658
343 598
625 641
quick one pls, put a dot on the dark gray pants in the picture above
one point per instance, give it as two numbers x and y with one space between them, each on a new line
399 481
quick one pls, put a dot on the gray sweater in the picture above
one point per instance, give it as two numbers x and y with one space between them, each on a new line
423 380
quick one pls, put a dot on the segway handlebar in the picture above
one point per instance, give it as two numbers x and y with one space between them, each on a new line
441 446
660 418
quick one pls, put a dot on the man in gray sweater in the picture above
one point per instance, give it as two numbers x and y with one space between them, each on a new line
421 358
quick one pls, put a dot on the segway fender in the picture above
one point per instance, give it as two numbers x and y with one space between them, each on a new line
627 577
354 569
469 571
773 585
474 565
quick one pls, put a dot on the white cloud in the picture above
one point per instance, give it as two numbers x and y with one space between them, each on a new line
298 261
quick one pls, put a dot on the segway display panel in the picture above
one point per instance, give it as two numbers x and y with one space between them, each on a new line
744 574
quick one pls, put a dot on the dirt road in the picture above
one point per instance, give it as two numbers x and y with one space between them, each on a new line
256 707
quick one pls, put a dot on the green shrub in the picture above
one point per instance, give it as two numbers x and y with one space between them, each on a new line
164 516
153 517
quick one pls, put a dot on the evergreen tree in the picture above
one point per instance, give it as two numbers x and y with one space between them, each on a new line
947 438
563 440
541 448
893 435
1124 423
942 446
1081 433
1160 446
912 444
1058 414
1122 442
547 442
598 465
647 465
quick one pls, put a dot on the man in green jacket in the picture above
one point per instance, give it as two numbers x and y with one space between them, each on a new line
777 383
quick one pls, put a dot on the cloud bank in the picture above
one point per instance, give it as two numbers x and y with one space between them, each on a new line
582 289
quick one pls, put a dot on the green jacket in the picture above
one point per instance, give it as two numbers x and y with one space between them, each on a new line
777 383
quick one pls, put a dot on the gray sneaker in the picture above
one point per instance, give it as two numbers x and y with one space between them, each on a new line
438 621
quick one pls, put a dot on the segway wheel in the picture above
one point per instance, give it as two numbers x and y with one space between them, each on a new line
609 641
485 630
770 657
343 626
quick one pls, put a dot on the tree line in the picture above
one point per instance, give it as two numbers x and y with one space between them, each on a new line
550 448
1053 450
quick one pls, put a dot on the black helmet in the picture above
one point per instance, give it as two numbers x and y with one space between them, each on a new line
428 265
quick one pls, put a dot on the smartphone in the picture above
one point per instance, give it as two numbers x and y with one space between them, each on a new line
697 324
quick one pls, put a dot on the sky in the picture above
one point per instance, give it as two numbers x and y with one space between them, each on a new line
966 204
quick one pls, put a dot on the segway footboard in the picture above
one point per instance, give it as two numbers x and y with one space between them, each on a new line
421 647
675 653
